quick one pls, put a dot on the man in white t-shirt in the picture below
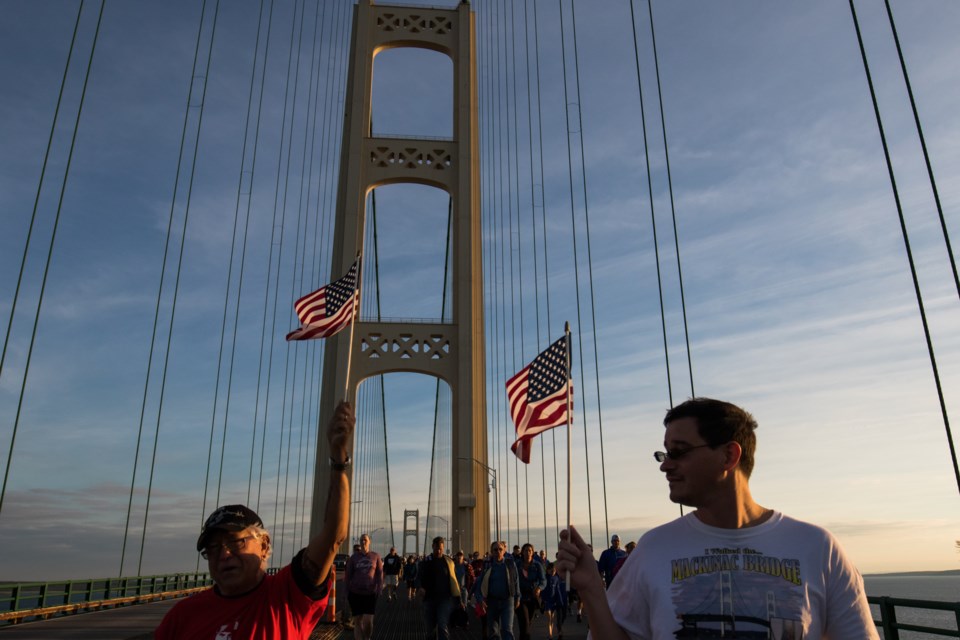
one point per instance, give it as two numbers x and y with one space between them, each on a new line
730 568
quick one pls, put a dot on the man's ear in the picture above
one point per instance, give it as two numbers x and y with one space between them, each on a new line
733 451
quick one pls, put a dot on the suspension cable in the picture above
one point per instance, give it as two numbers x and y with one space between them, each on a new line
163 270
516 274
236 218
383 394
282 469
673 210
176 286
493 429
503 313
576 264
906 243
536 266
53 237
593 306
330 172
43 174
307 177
923 146
653 218
546 264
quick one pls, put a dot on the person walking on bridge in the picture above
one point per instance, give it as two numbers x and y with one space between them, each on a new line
363 578
609 559
392 571
244 602
497 591
437 585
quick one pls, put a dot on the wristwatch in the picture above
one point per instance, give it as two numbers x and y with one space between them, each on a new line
340 466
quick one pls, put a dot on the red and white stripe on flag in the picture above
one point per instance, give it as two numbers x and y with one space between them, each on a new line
538 396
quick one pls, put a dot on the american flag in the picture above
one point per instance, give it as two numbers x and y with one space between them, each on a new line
538 396
328 309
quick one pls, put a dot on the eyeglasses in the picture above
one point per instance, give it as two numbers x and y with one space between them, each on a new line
675 454
233 546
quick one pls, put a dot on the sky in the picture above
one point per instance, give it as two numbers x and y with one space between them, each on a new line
798 297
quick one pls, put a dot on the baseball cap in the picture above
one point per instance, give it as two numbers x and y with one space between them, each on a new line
233 517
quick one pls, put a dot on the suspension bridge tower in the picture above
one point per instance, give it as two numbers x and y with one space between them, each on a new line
454 351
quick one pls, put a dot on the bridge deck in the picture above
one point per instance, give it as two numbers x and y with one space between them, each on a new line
399 620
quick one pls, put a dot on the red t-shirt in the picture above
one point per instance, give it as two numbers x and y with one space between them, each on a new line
276 608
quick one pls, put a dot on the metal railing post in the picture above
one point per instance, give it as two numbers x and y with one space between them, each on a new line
888 616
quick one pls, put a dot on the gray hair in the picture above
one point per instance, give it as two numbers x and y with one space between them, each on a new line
260 533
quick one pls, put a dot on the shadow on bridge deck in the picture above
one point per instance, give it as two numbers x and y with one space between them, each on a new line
398 620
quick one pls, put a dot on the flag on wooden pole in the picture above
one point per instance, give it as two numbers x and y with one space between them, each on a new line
328 309
539 396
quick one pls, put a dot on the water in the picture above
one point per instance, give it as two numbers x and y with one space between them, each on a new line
944 588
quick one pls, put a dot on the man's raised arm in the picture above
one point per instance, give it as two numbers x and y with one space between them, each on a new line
323 547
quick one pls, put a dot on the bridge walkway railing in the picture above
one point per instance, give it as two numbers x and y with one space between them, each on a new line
22 602
41 600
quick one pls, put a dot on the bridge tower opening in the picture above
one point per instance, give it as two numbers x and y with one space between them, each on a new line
452 350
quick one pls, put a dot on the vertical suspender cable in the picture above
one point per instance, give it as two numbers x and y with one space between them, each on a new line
493 427
282 207
502 363
300 255
256 404
906 243
518 273
546 262
306 179
383 394
673 210
253 167
53 237
516 148
33 215
321 242
163 270
576 267
266 295
43 174
176 285
593 306
653 218
293 66
536 265
226 297
283 468
923 145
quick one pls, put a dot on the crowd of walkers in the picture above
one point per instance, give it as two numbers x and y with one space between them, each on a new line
501 590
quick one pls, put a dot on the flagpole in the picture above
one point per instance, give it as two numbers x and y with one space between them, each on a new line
566 331
353 321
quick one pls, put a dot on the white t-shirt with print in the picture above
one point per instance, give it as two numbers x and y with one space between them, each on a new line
782 579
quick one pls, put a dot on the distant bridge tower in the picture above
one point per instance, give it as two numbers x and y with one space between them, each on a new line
411 532
453 352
